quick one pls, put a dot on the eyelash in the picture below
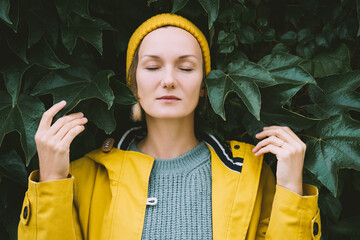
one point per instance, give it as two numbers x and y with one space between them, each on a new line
184 69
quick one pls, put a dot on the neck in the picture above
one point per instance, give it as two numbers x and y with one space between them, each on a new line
168 138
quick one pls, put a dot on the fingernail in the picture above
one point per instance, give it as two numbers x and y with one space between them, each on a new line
63 101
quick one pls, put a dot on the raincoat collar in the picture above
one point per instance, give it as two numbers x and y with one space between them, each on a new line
223 150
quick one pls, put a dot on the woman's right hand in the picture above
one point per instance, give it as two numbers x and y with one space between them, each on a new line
53 142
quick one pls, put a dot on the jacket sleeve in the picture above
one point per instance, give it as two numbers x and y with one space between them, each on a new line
288 215
48 211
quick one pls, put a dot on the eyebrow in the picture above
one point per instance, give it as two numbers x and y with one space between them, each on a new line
181 57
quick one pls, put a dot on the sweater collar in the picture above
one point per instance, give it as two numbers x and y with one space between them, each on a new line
181 164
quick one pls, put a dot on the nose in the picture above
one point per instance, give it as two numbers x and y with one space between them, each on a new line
168 80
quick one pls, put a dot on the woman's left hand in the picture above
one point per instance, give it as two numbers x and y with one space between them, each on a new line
290 152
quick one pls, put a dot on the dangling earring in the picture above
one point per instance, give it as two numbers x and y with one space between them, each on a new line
136 114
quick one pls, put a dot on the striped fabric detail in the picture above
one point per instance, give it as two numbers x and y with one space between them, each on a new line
224 152
128 137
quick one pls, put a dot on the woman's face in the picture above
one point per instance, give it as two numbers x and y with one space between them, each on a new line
169 73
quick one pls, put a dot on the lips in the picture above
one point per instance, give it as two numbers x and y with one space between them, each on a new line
168 98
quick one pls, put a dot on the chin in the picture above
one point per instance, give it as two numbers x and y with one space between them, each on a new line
170 115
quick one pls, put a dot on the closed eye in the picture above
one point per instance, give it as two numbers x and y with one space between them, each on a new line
152 68
186 69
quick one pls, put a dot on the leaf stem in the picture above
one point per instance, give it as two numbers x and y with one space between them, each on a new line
242 135
300 134
235 103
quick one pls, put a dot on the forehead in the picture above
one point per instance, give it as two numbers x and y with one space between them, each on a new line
170 40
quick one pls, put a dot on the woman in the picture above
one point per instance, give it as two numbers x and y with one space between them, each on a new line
170 183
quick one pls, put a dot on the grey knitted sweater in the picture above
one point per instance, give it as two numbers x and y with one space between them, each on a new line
182 187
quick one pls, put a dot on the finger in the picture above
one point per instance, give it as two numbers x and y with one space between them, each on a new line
48 116
68 126
270 140
286 129
62 121
297 143
269 148
278 132
69 137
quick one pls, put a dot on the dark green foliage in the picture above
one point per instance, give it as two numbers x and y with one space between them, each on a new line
293 63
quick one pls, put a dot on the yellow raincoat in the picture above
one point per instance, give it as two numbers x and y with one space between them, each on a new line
105 198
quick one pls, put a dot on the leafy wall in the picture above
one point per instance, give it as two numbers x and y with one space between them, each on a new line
293 63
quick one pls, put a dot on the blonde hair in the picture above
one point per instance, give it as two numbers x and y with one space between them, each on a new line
136 109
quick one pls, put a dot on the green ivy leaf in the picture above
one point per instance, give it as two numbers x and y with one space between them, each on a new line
88 30
123 94
12 74
280 47
98 113
12 167
285 68
226 38
304 35
285 117
332 61
241 78
212 9
242 2
262 22
246 34
325 38
347 30
333 145
178 5
269 35
4 11
43 55
338 95
280 117
75 84
305 50
229 15
65 7
17 43
40 22
275 97
287 71
10 15
24 118
226 48
289 37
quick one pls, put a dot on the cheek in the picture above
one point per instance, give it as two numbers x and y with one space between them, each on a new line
195 85
145 84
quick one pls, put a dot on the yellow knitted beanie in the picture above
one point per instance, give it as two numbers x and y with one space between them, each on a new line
162 20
